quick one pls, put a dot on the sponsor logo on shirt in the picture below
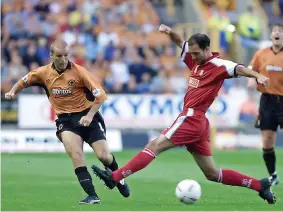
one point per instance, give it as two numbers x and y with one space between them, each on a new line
273 68
60 92
193 82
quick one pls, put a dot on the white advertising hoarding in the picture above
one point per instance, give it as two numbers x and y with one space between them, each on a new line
132 111
13 141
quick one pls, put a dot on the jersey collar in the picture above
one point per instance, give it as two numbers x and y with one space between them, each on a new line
281 50
214 55
69 66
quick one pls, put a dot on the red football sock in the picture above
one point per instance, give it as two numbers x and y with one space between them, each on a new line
233 178
138 162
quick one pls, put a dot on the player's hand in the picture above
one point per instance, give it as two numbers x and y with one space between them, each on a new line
164 29
85 121
252 83
263 80
10 95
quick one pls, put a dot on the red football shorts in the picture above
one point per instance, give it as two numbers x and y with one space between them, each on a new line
191 128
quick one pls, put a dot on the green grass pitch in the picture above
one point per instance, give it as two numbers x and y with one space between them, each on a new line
47 181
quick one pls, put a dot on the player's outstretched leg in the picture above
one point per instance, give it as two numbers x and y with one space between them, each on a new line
138 162
73 145
233 178
122 186
103 154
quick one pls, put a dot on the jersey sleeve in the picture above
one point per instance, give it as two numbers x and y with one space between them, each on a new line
32 78
254 65
186 56
93 85
227 68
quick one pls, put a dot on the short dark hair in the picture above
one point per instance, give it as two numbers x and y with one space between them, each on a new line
277 25
202 40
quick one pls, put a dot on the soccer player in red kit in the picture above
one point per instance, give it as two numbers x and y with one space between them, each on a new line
191 128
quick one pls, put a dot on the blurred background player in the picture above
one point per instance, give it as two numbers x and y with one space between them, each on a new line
76 97
191 128
269 62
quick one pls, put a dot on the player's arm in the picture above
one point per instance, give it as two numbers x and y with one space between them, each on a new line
246 72
252 83
27 81
98 92
175 37
231 69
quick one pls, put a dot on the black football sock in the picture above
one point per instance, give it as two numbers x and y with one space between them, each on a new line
114 165
85 180
270 160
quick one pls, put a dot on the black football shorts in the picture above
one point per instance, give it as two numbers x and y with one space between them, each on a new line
70 122
270 112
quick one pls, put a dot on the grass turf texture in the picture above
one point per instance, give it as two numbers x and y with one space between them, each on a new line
47 182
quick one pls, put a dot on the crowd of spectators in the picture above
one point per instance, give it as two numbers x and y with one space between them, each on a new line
117 40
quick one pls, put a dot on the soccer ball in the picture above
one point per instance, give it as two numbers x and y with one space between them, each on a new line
188 191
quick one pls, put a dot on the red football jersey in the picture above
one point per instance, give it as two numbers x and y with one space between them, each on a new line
206 79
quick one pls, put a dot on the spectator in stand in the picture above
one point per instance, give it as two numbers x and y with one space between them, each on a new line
107 36
218 19
43 50
177 80
281 7
278 7
250 30
138 68
160 83
16 69
131 87
144 85
119 72
31 56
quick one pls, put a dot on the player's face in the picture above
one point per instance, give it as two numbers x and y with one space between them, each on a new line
60 58
198 55
277 36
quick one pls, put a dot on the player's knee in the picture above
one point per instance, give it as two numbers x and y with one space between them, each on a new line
77 158
268 138
268 141
153 145
104 156
77 155
211 176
